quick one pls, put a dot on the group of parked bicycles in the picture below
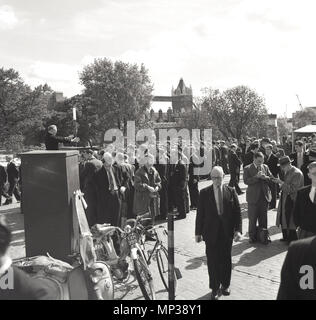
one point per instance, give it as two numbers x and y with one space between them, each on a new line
116 246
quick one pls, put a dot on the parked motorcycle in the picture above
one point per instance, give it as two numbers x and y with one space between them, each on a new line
113 245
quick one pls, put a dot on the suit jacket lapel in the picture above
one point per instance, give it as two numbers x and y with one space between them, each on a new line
212 200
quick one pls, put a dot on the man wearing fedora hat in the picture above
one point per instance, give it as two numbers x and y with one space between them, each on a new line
293 180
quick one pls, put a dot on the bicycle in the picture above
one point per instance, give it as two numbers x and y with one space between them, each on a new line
159 253
129 246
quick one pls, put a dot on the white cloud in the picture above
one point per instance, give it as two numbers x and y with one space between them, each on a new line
267 45
8 19
61 77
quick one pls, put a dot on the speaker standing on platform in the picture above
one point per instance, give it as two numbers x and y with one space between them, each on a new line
52 140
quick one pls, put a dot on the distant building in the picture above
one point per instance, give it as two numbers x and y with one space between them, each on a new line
180 107
59 97
55 99
273 131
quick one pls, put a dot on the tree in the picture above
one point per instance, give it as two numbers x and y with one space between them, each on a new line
119 92
304 117
21 110
284 127
236 112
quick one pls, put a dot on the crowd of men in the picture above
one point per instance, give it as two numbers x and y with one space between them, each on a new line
127 183
121 183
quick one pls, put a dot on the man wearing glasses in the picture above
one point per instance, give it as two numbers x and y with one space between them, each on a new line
218 221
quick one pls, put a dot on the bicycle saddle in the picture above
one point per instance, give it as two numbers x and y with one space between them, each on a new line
103 230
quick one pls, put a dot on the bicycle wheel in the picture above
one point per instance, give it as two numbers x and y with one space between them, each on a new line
144 277
163 267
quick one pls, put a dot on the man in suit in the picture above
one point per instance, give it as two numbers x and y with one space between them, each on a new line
194 180
263 143
293 286
91 166
224 156
248 159
311 157
300 157
273 164
162 168
107 189
3 180
305 206
52 140
218 221
257 176
278 152
245 147
13 179
178 183
234 168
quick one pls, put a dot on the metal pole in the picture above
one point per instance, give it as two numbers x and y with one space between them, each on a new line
171 256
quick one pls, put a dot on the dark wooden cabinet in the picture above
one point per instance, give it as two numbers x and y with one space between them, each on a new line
49 179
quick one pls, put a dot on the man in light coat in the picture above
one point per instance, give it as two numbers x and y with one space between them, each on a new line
293 180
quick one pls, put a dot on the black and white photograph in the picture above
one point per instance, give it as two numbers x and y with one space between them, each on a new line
157 150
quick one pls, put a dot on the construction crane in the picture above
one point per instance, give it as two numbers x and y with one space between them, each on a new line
299 102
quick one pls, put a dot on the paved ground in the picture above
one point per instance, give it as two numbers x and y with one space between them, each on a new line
256 269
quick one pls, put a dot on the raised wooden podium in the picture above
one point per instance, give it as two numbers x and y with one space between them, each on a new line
49 179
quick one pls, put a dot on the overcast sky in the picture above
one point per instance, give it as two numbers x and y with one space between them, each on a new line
268 45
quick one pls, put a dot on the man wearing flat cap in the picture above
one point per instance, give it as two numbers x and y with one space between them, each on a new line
293 180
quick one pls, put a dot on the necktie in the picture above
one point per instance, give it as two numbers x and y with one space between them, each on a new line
220 200
111 181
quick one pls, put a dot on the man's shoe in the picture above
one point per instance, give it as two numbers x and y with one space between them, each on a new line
225 291
214 295
283 240
252 240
